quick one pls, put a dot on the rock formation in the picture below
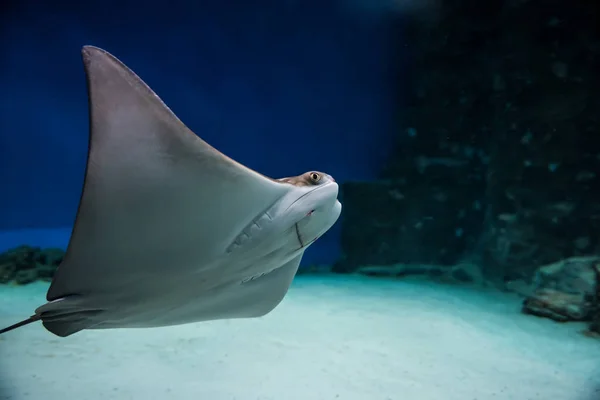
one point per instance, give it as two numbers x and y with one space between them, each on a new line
25 264
498 148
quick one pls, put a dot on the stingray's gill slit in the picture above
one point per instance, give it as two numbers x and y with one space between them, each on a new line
173 181
248 233
254 277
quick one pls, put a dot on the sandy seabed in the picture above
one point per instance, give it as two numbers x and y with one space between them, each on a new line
333 337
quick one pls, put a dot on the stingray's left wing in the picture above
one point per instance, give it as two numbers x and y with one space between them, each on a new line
157 200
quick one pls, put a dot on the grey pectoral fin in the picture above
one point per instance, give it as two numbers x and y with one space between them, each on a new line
143 171
59 327
67 324
62 324
259 296
68 315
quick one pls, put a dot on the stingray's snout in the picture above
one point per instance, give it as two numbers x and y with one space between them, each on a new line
326 194
324 211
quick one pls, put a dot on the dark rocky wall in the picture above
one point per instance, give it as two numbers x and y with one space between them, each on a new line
498 145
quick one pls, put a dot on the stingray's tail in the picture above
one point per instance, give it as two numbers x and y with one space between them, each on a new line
27 321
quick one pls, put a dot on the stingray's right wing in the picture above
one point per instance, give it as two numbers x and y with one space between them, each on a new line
157 200
257 297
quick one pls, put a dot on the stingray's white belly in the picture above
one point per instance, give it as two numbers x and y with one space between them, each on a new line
246 283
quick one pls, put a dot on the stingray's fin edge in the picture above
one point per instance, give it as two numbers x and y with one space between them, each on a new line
33 318
64 329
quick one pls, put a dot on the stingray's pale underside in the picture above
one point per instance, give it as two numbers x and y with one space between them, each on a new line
169 230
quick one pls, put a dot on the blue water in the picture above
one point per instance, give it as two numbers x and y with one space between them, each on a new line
284 87
281 86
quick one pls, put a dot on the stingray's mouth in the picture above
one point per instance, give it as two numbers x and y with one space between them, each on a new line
319 188
299 235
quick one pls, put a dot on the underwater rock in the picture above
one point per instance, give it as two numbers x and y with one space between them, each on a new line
8 270
565 290
417 220
402 270
26 264
460 273
45 272
23 257
594 327
25 276
314 269
51 256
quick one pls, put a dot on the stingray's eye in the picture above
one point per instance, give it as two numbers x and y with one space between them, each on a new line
315 177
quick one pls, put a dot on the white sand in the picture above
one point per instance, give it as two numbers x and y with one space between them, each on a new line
331 338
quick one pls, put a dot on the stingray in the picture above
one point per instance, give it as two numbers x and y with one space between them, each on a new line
169 230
